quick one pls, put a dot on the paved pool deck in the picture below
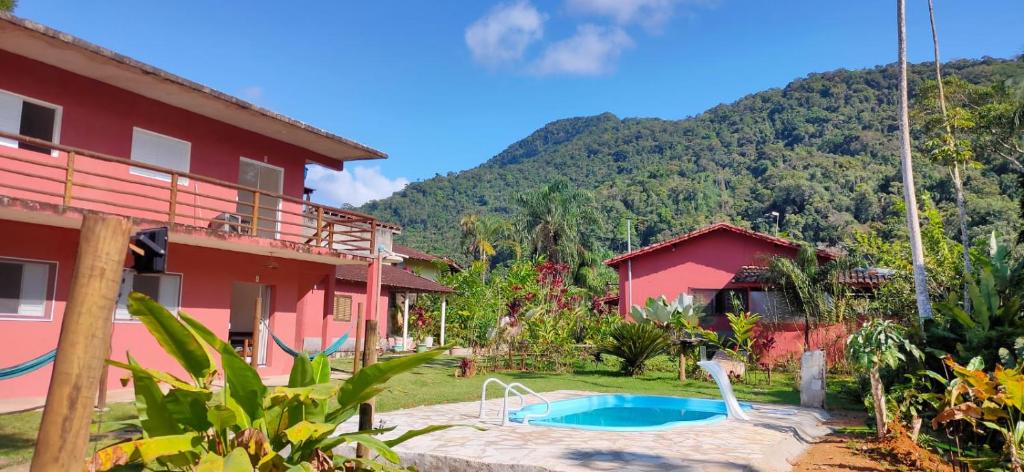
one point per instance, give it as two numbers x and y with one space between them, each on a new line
774 436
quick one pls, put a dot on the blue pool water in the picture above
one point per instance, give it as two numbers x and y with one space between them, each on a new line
625 412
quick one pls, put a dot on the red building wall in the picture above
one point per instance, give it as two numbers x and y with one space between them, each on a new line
706 261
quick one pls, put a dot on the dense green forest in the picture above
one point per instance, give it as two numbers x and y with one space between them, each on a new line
822 151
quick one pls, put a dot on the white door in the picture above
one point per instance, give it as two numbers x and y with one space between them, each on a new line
264 336
267 179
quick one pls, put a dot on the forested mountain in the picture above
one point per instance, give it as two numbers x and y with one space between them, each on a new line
822 151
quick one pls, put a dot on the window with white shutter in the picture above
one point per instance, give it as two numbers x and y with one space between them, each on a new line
160 150
26 288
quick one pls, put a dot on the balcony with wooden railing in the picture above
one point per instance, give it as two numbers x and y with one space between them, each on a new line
66 177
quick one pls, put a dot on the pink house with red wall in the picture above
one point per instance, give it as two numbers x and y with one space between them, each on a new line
714 264
85 129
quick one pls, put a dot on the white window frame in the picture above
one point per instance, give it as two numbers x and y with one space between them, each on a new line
49 301
182 181
58 116
280 200
121 315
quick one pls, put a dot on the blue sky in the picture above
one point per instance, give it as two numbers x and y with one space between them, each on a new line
443 85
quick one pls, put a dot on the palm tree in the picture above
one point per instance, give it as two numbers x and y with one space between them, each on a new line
953 157
558 222
477 236
924 308
811 288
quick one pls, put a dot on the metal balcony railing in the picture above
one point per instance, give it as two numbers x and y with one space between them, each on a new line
38 170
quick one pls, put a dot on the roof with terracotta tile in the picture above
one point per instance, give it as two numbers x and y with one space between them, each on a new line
709 229
392 277
416 254
859 277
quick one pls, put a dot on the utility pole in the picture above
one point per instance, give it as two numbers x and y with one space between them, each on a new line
84 342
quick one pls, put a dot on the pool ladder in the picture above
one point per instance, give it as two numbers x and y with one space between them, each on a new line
514 387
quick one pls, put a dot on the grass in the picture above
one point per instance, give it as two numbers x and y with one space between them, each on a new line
18 431
436 383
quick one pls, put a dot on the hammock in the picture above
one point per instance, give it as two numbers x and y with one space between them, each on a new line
27 366
334 347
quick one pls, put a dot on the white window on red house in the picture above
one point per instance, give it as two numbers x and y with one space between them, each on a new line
160 150
28 117
26 288
164 288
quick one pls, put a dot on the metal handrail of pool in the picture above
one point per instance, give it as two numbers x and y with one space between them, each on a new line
509 388
526 416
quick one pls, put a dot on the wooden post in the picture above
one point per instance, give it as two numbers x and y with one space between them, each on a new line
366 409
357 355
255 213
172 209
682 365
257 321
69 179
84 339
319 226
101 396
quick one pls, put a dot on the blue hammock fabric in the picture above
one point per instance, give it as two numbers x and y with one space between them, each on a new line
334 347
27 366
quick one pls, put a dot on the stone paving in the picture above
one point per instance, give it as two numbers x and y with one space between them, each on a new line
776 435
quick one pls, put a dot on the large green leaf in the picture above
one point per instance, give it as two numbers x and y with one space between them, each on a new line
188 408
321 369
157 375
154 417
301 374
237 461
146 450
375 445
304 431
369 380
246 387
412 433
173 336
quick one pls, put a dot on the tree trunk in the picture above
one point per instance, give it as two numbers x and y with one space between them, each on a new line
682 366
961 206
878 394
915 427
924 307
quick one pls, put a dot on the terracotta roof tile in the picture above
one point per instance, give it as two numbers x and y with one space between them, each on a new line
392 277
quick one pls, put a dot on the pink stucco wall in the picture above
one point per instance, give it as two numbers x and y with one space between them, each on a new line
707 261
207 277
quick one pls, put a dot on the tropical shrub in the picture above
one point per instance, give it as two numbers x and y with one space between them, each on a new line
879 343
996 317
742 325
246 425
987 400
635 344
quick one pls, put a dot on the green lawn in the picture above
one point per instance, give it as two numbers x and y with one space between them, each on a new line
435 383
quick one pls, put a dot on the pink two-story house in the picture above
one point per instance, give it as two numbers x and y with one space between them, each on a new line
85 129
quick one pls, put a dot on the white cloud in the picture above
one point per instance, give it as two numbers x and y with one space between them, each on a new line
252 93
651 14
591 51
354 186
503 35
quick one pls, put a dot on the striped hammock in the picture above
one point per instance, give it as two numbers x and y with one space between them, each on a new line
333 348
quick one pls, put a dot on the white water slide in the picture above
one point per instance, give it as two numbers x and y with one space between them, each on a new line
725 387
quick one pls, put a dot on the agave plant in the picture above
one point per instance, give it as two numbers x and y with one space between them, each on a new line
635 344
246 425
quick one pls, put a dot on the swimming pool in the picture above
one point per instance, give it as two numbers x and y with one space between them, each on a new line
625 412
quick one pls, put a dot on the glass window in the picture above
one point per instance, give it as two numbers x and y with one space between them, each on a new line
27 117
164 288
25 288
159 150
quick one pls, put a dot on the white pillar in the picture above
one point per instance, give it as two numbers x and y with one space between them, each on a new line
444 311
405 323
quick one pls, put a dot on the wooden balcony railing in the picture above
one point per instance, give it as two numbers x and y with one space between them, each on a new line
88 180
